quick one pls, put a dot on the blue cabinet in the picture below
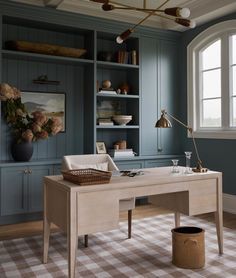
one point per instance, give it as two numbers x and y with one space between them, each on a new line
159 59
13 190
130 164
22 189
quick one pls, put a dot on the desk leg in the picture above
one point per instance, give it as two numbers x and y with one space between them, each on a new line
72 238
219 217
177 219
219 230
46 235
46 229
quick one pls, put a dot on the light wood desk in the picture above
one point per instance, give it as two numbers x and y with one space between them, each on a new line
80 210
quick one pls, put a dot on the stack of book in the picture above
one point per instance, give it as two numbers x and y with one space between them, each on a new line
125 57
121 153
107 91
105 121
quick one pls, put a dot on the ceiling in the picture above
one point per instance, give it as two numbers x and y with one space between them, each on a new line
201 10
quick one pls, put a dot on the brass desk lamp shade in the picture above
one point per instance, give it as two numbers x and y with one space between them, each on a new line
164 122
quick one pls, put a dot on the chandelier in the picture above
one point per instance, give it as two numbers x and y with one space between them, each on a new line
177 14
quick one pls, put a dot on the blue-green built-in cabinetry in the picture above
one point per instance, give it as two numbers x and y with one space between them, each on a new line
153 84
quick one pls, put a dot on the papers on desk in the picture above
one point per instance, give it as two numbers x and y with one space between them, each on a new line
128 173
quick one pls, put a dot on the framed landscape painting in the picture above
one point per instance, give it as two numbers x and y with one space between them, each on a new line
50 104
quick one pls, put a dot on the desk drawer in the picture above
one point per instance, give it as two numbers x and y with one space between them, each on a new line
97 212
200 198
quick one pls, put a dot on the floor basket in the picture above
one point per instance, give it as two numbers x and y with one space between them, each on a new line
188 247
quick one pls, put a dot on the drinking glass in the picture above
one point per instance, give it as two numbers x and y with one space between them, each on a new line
188 169
175 168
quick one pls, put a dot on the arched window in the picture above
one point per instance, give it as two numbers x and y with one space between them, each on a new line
212 82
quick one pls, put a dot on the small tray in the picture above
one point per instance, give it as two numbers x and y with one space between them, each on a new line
87 176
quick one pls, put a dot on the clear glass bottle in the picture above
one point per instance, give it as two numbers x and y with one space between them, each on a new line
188 169
175 168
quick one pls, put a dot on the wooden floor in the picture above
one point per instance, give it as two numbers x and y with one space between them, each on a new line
36 227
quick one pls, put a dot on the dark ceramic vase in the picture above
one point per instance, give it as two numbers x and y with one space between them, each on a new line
22 151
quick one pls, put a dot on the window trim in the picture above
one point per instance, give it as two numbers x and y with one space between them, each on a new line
221 31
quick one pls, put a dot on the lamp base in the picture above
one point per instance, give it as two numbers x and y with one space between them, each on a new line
200 170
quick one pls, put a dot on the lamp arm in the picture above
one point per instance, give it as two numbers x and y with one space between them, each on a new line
172 117
190 131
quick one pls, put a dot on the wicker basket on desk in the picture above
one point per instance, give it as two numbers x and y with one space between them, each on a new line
87 176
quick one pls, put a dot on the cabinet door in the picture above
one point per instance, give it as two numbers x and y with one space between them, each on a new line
128 165
35 179
157 163
170 138
13 190
149 103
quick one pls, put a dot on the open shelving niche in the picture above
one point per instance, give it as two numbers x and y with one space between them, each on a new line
19 68
108 105
78 79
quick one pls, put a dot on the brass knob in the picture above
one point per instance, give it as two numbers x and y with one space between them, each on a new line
159 149
25 171
30 171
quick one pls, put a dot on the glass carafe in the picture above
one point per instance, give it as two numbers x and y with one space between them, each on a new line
188 169
175 168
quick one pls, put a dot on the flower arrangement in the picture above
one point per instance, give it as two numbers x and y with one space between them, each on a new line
25 127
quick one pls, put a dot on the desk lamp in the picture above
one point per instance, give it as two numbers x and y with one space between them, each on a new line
164 122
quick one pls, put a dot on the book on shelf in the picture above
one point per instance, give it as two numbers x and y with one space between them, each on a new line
133 57
121 153
108 92
105 121
127 57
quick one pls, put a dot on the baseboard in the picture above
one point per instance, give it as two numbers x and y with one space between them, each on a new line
229 203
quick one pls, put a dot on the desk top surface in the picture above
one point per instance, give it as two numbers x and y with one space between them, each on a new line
151 176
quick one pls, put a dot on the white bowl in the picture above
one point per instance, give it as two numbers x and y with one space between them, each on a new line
122 119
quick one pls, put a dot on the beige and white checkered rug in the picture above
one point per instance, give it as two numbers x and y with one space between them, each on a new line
110 254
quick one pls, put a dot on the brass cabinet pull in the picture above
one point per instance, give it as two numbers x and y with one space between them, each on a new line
25 171
30 171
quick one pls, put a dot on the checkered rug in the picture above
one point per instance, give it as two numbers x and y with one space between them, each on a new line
110 254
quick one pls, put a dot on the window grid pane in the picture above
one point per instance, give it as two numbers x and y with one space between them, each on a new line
233 111
211 56
211 112
233 48
211 84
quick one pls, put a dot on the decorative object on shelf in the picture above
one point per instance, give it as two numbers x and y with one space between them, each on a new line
22 151
101 148
26 127
124 88
106 84
44 48
50 104
43 79
106 88
164 122
105 56
122 144
108 108
177 14
122 119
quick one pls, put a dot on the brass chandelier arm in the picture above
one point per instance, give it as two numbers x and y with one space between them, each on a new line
177 14
150 14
